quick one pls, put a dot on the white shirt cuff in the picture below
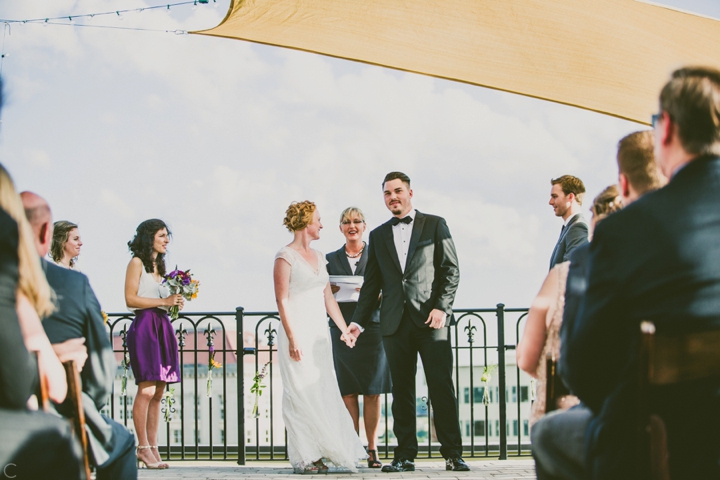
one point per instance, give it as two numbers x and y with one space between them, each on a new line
357 325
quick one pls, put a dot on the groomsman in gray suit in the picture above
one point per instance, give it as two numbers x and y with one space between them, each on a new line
566 199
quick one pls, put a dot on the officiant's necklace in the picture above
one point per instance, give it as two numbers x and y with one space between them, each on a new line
357 254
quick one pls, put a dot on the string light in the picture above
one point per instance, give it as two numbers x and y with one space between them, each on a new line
89 16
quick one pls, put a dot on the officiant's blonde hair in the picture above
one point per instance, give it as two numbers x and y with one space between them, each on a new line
350 212
299 215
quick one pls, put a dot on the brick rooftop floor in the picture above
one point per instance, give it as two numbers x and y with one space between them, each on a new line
480 469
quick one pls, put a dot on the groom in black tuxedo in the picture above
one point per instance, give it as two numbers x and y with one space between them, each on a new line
412 261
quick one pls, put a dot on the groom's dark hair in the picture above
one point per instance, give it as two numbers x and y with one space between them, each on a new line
397 175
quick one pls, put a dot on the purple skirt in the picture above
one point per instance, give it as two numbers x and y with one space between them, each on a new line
152 347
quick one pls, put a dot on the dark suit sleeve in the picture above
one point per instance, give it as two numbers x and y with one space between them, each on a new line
99 370
372 285
447 271
592 368
578 235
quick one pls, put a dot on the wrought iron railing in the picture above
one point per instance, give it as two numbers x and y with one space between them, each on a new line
212 418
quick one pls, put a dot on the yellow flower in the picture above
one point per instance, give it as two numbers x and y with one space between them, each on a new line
105 317
215 364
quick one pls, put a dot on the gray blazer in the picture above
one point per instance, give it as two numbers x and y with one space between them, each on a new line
573 235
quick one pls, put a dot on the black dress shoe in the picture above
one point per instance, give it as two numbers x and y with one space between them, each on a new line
456 464
399 466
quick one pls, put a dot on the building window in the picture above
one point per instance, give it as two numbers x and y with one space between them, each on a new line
497 428
515 428
525 428
467 429
524 394
513 395
479 393
222 436
479 428
177 437
467 395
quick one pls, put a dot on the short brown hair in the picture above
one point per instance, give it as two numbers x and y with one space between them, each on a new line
299 215
636 160
397 176
692 99
570 184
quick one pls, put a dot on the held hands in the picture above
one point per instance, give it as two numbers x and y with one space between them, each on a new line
348 338
73 349
436 319
353 330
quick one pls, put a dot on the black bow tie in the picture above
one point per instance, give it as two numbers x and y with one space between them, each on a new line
406 220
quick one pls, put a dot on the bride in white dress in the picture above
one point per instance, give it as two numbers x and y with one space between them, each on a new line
320 430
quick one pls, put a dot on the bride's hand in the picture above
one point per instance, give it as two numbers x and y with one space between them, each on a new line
295 352
348 338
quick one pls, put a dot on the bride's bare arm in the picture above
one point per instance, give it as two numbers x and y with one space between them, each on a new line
533 340
334 311
281 278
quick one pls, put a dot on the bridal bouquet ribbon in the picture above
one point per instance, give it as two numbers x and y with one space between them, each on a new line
181 282
212 364
257 387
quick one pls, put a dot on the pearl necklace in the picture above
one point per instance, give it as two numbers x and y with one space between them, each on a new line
357 254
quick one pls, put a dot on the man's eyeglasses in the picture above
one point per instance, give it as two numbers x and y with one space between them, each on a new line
655 119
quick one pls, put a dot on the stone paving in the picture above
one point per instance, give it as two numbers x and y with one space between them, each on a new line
424 469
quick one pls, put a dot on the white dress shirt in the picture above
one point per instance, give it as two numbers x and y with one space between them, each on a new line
402 233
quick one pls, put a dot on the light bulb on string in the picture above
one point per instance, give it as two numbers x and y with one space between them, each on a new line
194 7
120 17
70 19
45 23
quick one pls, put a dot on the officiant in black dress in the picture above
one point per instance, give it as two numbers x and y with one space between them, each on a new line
362 370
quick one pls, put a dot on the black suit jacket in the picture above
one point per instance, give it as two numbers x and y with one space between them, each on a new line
79 315
338 265
18 369
430 279
574 235
659 260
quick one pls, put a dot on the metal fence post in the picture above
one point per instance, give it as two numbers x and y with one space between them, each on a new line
240 344
501 379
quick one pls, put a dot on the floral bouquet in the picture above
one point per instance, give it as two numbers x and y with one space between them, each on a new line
488 371
181 282
212 364
257 387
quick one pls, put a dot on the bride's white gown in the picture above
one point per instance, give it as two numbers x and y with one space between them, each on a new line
318 424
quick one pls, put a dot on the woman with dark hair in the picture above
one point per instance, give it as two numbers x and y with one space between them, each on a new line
66 243
151 339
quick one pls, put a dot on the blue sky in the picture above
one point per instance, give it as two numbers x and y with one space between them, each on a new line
217 137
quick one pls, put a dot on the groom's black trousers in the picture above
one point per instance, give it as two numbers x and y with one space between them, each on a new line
433 345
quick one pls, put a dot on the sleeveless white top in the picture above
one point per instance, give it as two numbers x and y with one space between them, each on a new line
149 288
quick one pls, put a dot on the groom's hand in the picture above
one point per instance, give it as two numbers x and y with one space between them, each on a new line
436 319
354 330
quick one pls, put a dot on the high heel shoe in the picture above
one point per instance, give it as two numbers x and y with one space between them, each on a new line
162 464
373 461
151 466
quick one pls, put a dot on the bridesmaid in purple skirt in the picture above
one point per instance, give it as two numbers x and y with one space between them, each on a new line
151 339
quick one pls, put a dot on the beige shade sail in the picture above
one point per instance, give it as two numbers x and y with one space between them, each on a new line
609 56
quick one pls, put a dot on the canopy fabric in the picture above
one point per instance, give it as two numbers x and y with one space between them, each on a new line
609 56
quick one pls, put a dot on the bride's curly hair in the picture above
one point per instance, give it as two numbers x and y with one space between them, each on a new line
299 215
141 245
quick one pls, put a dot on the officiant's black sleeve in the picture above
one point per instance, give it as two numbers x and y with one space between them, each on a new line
447 271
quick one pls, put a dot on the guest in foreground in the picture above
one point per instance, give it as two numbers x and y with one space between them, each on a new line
151 338
566 197
34 444
412 260
657 260
362 370
541 337
66 244
319 427
78 316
